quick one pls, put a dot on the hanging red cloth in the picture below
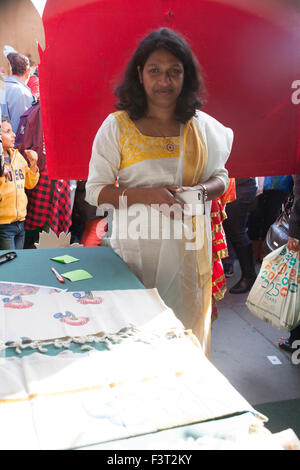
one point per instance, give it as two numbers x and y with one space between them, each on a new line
249 53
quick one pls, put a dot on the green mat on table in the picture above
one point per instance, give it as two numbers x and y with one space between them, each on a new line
282 415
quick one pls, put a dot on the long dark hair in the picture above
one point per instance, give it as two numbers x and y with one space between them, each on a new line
130 91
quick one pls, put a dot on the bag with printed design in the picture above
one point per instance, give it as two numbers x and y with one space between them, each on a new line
275 295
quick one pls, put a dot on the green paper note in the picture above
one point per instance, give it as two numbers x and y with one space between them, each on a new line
65 259
77 275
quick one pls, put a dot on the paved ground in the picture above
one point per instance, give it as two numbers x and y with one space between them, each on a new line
240 345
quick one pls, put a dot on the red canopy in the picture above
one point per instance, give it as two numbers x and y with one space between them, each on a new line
249 55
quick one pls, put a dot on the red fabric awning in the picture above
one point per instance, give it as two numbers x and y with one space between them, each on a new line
249 55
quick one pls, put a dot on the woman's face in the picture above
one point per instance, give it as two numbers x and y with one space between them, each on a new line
162 78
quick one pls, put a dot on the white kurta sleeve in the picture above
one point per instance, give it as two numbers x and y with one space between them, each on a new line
218 139
105 160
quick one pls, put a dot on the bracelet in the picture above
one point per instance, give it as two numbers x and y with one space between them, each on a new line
122 195
205 193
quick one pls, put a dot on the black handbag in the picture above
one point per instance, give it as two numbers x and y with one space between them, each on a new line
278 233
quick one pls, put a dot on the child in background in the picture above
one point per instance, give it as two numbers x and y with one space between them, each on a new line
13 200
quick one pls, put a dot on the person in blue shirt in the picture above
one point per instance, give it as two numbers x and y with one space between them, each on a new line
276 190
18 96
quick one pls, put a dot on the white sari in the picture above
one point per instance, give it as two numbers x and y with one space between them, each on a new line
140 235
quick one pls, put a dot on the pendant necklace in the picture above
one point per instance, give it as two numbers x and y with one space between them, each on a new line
168 144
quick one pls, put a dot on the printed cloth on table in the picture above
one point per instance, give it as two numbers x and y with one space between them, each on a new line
81 314
137 387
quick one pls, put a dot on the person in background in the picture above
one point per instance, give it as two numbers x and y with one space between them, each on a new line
3 109
18 96
33 81
49 202
236 231
90 227
155 144
276 189
13 202
2 101
288 344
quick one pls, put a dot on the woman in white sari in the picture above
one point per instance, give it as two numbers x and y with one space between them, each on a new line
157 144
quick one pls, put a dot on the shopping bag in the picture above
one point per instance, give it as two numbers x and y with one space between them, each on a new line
275 295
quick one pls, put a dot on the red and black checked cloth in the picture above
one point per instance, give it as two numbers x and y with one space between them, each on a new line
49 202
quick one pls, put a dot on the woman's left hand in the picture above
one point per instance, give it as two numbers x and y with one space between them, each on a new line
293 244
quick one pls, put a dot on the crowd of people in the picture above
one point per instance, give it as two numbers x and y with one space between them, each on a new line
155 145
46 204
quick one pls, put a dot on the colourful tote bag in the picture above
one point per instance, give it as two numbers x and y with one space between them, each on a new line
275 295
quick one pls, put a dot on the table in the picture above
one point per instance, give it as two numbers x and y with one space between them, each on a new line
109 273
108 269
32 266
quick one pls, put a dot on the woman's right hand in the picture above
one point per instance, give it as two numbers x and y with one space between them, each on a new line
163 197
160 195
